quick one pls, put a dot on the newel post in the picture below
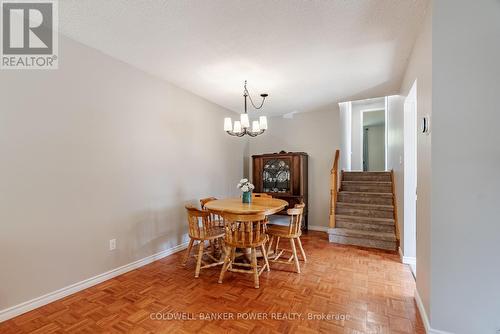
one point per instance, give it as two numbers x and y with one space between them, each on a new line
334 188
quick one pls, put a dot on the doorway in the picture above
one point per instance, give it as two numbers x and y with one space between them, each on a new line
410 179
374 140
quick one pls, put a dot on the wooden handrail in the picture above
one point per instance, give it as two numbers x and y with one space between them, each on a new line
334 176
395 204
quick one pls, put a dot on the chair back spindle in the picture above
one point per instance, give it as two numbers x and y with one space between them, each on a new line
243 231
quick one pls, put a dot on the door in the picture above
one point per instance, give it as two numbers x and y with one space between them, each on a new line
365 150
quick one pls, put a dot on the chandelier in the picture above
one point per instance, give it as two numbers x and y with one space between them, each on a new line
242 127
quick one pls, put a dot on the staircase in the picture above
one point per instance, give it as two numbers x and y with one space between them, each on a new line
363 211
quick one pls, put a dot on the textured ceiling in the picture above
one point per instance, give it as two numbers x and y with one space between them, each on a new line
305 54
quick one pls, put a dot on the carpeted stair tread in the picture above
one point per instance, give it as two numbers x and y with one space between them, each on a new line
367 173
367 186
366 206
365 197
384 236
370 243
366 176
366 194
361 219
369 183
365 226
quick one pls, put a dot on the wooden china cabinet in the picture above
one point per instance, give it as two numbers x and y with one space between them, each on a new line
283 175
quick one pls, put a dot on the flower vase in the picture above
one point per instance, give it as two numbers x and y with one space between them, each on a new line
247 197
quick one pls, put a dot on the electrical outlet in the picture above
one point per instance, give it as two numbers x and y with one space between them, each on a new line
112 244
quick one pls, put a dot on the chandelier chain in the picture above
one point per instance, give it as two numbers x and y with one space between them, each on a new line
247 93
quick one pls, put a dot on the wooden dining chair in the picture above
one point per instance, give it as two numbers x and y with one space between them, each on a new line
263 195
244 231
291 232
202 229
214 216
204 201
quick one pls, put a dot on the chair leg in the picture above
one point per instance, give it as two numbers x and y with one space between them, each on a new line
295 257
302 250
218 246
255 269
233 256
264 255
222 250
270 244
227 260
188 251
276 246
201 245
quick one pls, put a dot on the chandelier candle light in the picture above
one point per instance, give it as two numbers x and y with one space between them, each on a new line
242 127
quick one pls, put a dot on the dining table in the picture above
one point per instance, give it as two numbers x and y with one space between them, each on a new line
265 205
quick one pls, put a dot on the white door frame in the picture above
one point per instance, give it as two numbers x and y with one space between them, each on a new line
361 113
410 178
346 135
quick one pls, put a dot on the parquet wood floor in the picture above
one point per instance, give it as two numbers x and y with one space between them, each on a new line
369 287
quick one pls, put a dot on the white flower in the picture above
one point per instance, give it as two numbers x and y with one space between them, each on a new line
245 185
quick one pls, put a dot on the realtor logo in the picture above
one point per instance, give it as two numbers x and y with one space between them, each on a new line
29 34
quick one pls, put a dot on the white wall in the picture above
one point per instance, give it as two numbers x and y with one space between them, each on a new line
465 266
345 135
99 150
420 68
395 154
316 133
356 133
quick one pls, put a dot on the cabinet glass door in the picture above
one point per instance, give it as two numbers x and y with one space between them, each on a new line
276 175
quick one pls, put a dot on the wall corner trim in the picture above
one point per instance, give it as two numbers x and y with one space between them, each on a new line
425 318
50 297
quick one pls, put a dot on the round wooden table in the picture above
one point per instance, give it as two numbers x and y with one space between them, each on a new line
268 206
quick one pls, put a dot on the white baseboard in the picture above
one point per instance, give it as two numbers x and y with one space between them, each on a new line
425 318
29 305
318 228
407 259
